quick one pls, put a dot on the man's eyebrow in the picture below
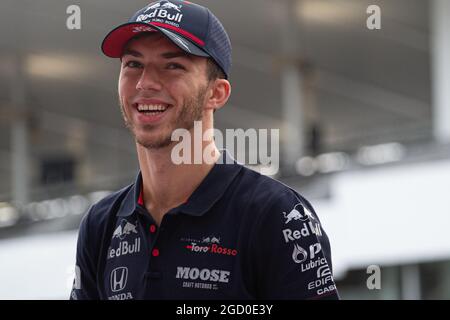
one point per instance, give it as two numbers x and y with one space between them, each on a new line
176 54
133 53
166 55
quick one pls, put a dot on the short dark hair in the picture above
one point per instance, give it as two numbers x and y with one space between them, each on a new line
213 71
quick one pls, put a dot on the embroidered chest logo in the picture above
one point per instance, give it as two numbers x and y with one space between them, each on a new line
121 244
125 228
208 245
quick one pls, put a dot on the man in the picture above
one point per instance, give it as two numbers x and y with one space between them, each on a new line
214 230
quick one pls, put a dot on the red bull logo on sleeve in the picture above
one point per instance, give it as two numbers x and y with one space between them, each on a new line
299 212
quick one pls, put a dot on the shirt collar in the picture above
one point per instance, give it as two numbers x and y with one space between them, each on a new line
210 190
132 198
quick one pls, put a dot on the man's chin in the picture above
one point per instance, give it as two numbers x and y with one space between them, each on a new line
154 143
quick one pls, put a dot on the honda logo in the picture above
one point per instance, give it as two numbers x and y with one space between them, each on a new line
119 278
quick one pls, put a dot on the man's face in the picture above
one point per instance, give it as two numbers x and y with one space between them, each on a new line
161 88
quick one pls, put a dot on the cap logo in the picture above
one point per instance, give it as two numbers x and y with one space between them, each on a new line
164 5
161 10
155 6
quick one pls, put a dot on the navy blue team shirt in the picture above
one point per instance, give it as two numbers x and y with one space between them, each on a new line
240 235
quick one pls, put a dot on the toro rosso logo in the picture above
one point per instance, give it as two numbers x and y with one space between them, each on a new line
125 228
299 212
210 245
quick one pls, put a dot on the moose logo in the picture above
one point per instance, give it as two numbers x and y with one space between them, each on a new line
299 212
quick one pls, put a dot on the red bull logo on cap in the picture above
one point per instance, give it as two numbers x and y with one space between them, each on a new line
161 10
163 5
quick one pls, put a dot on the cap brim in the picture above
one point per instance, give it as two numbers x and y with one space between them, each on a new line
114 42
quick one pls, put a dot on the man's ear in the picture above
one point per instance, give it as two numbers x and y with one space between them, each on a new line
218 94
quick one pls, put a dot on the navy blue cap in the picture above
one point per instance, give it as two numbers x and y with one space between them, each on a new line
193 28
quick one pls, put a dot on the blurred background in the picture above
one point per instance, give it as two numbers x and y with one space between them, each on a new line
363 113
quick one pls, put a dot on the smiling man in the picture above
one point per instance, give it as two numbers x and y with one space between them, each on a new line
161 89
192 231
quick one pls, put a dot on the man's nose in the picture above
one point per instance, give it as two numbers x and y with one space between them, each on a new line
149 80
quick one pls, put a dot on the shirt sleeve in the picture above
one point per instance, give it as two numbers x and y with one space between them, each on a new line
85 282
292 252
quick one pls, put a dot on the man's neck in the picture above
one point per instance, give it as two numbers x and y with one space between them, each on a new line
167 185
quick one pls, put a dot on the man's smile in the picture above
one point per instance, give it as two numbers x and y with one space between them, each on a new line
150 110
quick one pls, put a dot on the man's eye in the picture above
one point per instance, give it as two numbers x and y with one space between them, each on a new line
133 64
174 65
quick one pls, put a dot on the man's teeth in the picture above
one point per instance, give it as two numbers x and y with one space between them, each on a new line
152 107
